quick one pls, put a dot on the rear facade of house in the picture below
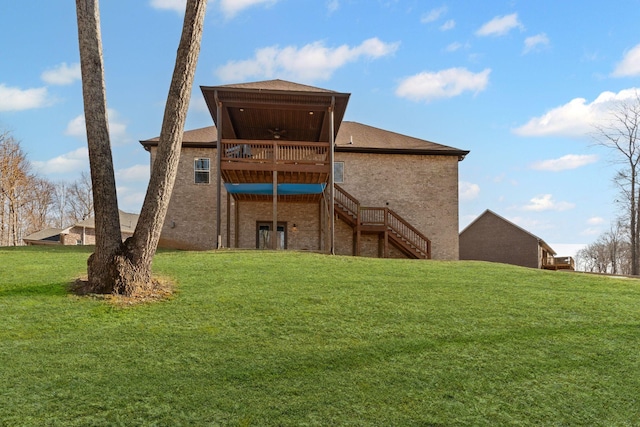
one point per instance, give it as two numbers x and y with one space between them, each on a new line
283 147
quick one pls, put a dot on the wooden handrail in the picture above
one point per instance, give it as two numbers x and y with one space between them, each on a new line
383 217
410 233
261 151
350 203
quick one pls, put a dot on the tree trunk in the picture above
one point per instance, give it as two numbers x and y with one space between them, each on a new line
141 247
107 220
116 267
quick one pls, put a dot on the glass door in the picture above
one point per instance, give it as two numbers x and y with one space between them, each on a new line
263 235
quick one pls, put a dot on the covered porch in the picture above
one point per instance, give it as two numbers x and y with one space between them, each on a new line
275 144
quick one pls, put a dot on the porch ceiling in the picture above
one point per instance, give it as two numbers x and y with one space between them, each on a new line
275 110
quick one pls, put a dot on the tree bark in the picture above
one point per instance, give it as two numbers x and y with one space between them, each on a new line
107 220
126 268
142 246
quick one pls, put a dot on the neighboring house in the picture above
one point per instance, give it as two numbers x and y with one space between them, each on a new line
81 233
48 236
491 237
282 147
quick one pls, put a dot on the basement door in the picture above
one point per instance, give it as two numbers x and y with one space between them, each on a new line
263 235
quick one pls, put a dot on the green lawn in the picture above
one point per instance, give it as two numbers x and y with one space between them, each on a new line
294 339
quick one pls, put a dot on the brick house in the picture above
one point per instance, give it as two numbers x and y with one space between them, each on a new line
493 238
80 233
394 195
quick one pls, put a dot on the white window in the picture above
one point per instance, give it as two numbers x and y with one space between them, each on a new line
338 172
201 171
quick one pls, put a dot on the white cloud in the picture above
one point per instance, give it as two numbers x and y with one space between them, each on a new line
313 61
453 47
468 190
500 25
15 99
570 161
596 220
230 8
130 199
449 25
575 118
630 64
117 129
175 5
536 42
428 86
545 202
433 15
134 173
333 5
63 74
74 161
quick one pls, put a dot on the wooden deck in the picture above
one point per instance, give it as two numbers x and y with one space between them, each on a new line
559 263
255 161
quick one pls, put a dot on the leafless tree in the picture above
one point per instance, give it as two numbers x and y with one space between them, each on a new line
115 267
610 253
25 198
80 199
14 175
620 135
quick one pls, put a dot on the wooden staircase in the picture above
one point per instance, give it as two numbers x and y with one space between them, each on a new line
391 227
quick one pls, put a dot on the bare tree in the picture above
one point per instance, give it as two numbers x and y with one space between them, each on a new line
14 174
80 199
620 135
25 198
115 267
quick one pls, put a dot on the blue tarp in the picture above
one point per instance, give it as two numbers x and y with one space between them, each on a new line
267 189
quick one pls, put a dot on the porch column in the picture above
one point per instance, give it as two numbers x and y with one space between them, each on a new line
274 226
218 173
332 198
228 220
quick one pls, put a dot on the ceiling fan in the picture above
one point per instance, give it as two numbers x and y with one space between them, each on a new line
277 133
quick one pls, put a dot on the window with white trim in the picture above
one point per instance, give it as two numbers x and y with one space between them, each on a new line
338 172
201 171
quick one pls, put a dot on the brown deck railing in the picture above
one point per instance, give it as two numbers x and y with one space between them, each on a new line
350 203
559 263
384 219
258 151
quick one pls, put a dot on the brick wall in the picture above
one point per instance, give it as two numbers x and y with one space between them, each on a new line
421 189
490 238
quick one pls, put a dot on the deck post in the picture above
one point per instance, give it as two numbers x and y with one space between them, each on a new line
218 172
274 227
331 176
386 232
228 220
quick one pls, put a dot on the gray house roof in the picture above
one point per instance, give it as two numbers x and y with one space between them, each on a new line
352 137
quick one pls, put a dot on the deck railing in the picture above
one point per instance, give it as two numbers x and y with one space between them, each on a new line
258 151
563 262
383 218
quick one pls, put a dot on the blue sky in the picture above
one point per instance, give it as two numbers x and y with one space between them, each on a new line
519 83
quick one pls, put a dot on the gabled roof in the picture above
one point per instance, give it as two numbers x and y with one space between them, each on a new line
489 212
357 137
257 110
276 85
352 137
128 222
46 234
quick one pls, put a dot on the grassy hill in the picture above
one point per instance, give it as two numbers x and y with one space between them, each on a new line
276 339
